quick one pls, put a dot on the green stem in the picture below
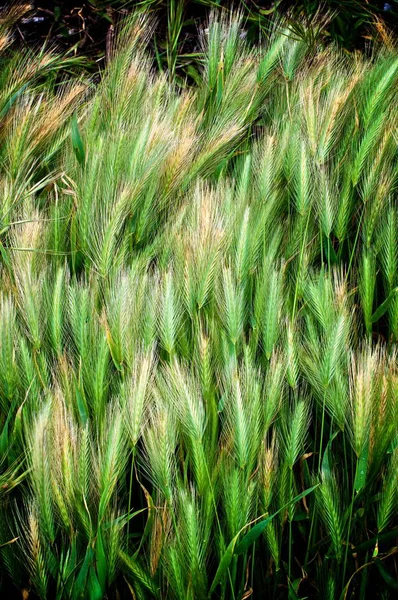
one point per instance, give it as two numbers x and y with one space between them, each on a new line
130 491
348 536
290 529
322 430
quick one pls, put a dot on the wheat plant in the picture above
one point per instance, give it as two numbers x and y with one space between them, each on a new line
198 323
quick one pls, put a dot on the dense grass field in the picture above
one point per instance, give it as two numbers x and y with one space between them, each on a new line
199 323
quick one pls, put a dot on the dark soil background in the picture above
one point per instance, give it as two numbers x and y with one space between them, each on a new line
87 27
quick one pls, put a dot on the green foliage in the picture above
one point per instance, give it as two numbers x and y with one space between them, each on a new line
198 323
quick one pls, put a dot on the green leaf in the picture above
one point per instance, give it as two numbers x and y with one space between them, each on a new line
79 588
5 257
82 407
379 312
331 255
224 563
326 469
17 429
193 73
269 11
293 590
101 562
394 445
258 529
12 99
362 467
122 520
384 538
94 588
389 579
77 142
4 441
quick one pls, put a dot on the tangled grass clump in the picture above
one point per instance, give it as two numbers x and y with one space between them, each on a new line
198 324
